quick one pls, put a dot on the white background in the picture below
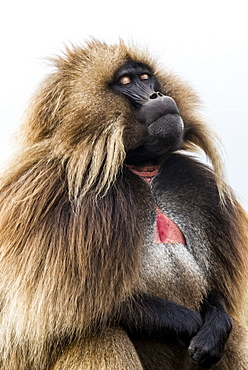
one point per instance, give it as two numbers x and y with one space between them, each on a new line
205 42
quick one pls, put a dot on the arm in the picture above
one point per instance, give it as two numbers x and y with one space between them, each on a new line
150 317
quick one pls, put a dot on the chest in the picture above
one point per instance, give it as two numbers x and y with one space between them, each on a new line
171 265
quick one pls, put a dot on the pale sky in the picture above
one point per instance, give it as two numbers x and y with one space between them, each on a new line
204 42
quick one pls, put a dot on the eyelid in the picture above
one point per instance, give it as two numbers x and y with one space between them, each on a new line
125 80
146 75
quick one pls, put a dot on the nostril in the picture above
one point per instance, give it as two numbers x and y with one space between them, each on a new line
154 96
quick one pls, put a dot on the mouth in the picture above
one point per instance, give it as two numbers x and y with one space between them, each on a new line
168 125
167 117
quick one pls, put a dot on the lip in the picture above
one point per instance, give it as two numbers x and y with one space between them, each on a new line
166 115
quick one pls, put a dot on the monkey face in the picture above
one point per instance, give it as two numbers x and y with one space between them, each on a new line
157 113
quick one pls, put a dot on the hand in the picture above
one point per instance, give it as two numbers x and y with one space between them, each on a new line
207 347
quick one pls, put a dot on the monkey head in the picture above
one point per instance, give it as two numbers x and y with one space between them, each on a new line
107 105
158 114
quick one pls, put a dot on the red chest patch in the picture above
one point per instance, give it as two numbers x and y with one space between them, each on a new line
166 231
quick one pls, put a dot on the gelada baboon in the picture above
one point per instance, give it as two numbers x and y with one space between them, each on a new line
118 249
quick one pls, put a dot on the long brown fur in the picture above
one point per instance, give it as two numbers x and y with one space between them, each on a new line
69 231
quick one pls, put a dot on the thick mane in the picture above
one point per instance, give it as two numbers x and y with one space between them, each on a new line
78 227
42 230
96 163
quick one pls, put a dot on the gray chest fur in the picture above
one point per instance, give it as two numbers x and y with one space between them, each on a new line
171 272
176 272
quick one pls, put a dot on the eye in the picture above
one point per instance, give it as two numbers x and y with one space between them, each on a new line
124 80
144 76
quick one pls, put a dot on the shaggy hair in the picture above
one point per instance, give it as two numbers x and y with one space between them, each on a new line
67 207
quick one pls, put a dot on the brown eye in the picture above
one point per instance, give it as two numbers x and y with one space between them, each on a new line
144 76
124 80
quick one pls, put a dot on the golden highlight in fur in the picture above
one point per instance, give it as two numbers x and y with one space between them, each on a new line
67 210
